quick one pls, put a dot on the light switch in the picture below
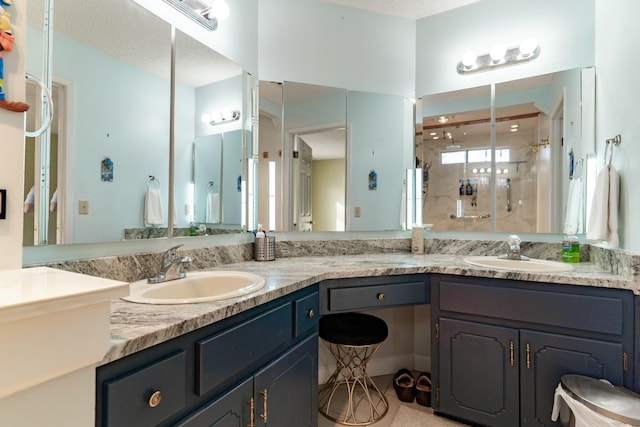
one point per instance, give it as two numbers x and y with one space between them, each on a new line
83 207
356 211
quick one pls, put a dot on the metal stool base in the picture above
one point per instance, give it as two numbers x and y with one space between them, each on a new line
365 404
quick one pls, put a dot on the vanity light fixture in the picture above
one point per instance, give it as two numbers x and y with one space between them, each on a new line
217 118
499 56
207 13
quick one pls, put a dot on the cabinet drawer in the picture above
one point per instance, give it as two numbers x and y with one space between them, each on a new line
225 355
306 314
600 312
377 296
128 399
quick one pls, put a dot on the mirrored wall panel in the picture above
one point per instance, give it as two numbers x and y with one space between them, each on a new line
505 170
331 157
101 172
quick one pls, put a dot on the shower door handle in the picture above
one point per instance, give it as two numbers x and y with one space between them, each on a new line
508 194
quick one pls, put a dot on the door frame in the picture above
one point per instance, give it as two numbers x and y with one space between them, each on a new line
286 220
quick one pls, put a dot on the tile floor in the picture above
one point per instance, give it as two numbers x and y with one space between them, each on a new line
385 384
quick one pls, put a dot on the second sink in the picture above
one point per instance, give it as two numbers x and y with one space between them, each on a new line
200 286
530 266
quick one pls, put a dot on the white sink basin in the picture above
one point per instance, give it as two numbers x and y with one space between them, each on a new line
531 266
200 286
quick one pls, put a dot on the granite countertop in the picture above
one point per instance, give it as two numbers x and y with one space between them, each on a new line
135 327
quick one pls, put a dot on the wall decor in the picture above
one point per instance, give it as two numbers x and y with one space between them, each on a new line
106 167
373 180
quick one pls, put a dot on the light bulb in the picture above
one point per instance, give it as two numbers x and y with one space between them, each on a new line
469 59
219 9
497 52
206 118
528 46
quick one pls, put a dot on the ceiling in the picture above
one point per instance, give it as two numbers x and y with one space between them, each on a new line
414 9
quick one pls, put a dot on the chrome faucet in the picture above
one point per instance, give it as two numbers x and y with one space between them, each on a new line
514 249
173 267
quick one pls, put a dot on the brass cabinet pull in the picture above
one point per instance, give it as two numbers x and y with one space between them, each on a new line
155 399
528 356
264 395
252 407
380 297
310 313
625 362
437 330
511 354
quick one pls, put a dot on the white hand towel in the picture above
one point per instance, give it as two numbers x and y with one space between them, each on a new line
152 208
574 215
29 201
603 222
212 213
53 205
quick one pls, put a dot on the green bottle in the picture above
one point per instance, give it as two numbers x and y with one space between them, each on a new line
570 245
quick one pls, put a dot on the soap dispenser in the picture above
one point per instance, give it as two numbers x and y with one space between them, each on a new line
570 245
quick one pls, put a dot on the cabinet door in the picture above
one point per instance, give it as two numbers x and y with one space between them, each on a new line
286 390
233 409
547 357
479 372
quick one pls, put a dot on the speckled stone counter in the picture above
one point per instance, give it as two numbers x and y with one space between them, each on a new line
138 326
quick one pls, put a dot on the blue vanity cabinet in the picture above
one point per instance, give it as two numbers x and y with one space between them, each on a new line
368 293
284 393
500 347
259 365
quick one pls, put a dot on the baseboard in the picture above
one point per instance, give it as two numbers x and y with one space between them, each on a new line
422 363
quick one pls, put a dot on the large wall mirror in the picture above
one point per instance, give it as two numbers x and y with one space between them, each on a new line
331 157
87 179
507 169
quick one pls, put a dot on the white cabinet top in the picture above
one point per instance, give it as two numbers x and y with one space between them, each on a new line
40 290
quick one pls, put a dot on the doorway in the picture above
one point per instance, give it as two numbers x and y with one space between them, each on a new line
319 187
44 205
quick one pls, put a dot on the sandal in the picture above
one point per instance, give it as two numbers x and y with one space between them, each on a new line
423 389
404 385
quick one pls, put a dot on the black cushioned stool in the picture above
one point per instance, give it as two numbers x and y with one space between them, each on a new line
350 397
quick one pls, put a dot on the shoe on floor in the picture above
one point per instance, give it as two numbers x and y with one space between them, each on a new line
404 385
423 389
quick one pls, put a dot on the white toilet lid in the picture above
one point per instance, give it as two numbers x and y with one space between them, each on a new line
613 402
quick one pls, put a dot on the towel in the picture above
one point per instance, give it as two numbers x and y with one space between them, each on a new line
584 416
53 205
603 220
152 208
29 201
212 213
574 215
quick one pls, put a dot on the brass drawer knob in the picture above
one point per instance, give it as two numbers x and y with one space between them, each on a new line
155 399
310 313
380 297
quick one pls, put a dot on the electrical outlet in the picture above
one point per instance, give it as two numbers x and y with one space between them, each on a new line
356 211
83 207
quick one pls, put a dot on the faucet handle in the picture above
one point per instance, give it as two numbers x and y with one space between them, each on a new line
170 255
514 241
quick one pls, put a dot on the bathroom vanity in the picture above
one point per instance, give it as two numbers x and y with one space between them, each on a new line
260 365
499 341
500 347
